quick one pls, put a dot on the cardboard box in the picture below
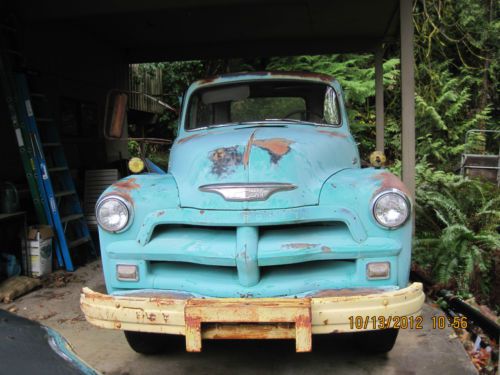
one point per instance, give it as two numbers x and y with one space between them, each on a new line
40 250
40 232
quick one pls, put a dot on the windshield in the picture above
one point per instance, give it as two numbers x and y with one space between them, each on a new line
292 101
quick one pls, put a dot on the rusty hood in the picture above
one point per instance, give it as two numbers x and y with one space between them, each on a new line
301 155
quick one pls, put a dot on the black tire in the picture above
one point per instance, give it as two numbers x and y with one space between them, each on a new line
149 343
377 342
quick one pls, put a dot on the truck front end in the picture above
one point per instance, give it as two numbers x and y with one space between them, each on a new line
265 225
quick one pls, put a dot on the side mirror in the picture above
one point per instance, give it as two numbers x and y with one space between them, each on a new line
119 116
115 115
116 105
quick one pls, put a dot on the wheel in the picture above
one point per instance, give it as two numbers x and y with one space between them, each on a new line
376 342
150 343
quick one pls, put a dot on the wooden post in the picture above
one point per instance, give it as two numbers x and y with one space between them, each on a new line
379 98
407 96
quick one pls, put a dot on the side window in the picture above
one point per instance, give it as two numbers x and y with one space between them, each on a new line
200 114
330 107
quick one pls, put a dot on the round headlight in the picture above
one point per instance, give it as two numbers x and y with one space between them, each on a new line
114 213
391 208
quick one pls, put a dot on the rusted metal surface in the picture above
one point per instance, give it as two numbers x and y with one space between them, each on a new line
333 133
118 117
297 311
321 312
248 150
299 245
127 184
121 193
389 181
276 147
224 160
190 137
305 75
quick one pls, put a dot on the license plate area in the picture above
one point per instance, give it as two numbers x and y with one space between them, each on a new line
240 318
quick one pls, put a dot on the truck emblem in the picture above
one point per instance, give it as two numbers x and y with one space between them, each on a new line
239 192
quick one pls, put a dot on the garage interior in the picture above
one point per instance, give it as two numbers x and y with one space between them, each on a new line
73 56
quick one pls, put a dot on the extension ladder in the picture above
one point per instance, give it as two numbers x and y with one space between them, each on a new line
45 165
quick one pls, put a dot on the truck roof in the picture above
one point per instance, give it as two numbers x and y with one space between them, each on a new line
246 76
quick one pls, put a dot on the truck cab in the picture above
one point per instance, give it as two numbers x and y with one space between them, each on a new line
265 226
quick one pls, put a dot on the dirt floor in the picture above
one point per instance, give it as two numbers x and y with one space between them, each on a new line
427 351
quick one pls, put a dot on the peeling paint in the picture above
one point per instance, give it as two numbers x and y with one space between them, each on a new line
299 245
276 147
248 150
224 159
128 184
332 133
122 194
389 181
188 138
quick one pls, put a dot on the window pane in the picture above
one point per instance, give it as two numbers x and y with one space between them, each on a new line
257 109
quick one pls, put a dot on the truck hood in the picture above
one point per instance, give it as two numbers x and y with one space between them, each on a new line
301 155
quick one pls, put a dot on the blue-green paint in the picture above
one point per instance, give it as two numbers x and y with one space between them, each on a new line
318 236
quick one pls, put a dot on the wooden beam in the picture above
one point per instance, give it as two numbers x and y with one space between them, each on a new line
407 96
379 98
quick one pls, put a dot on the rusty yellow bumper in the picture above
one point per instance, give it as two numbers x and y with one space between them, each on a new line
266 318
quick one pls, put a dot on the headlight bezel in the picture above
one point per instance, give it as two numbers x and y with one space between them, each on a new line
125 202
398 192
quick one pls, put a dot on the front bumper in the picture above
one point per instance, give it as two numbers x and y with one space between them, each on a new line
265 318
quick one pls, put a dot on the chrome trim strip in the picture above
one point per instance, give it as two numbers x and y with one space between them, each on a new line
256 191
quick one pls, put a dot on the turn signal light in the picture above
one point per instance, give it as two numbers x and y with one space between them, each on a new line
378 270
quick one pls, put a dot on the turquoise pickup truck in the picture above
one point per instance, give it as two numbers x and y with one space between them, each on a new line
264 227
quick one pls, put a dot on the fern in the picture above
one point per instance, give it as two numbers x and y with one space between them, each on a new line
456 228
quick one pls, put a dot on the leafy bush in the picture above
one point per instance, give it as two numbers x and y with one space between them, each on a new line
456 229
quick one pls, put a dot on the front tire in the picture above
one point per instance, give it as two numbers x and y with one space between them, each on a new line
150 343
377 342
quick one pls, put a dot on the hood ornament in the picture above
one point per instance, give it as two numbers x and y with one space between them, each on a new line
246 192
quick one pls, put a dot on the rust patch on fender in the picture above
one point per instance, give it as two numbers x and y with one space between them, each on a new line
389 181
326 249
331 133
184 140
299 245
202 212
276 147
224 159
160 213
122 194
128 184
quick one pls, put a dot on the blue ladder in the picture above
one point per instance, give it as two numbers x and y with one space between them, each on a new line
65 212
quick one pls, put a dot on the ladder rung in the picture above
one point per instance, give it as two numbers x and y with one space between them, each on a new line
43 119
57 169
64 193
72 217
78 242
51 144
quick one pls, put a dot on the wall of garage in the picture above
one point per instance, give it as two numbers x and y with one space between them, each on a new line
75 69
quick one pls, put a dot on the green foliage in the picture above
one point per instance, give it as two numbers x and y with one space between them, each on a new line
457 73
356 74
456 228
